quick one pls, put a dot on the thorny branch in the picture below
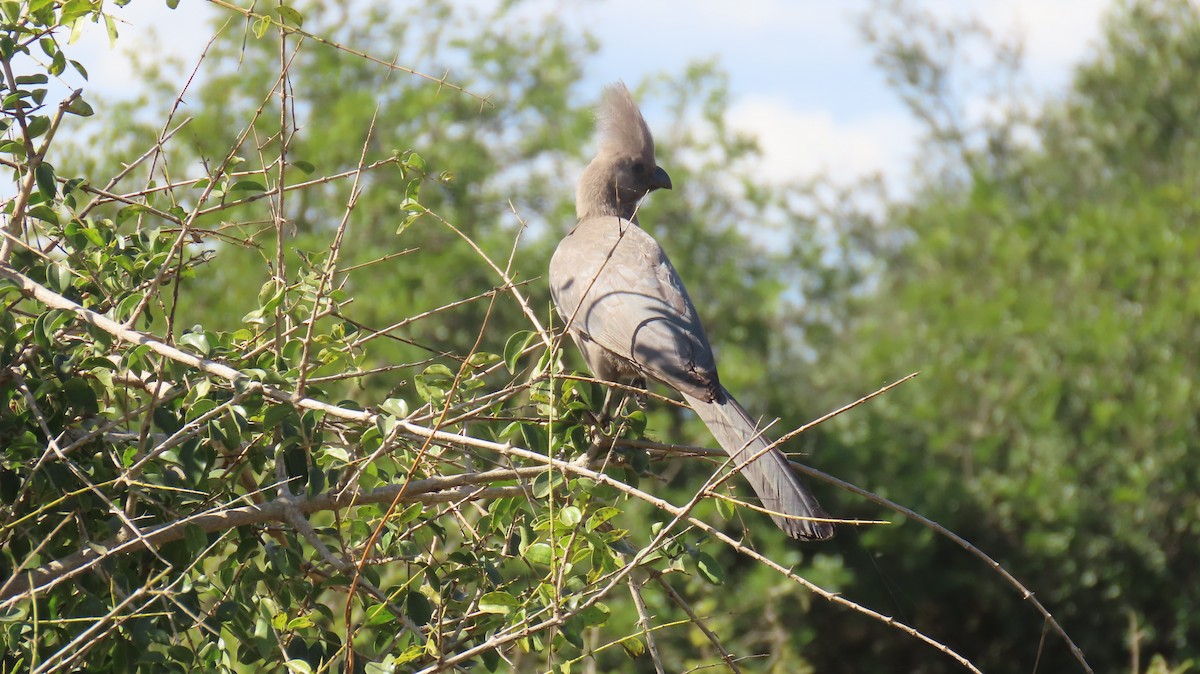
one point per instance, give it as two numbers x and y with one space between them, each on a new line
217 369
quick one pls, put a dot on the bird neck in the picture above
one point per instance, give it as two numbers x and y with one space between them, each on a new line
598 195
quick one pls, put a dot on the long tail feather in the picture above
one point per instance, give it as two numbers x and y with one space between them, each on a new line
771 476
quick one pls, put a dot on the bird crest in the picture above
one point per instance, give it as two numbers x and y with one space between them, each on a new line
622 128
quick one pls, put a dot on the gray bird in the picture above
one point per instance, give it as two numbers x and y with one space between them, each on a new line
627 310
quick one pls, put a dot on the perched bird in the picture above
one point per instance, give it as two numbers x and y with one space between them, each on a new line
626 308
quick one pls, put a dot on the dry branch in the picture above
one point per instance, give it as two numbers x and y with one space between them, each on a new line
429 491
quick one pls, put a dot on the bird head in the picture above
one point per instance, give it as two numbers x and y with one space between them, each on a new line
624 169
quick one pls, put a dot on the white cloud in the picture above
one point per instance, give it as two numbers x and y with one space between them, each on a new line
804 136
804 143
1057 35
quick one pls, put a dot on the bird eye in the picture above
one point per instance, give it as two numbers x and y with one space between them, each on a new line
638 168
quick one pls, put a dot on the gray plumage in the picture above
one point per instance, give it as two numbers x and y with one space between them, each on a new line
628 311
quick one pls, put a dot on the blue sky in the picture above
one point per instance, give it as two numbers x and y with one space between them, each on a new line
800 73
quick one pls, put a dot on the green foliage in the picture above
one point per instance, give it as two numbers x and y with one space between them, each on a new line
1047 300
1133 108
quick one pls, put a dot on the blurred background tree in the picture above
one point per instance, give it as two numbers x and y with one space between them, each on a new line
1044 287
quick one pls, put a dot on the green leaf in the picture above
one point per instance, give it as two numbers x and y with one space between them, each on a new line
300 623
270 294
498 602
81 108
74 9
216 435
601 516
231 428
572 632
17 101
38 125
126 307
111 27
166 419
58 64
197 341
535 437
482 359
409 218
379 614
130 211
105 377
338 454
295 464
636 421
515 346
433 384
14 614
409 514
43 330
413 652
633 646
298 666
195 539
545 483
725 508
709 569
277 414
419 608
261 25
570 516
59 277
290 16
45 181
397 407
81 396
539 553
595 615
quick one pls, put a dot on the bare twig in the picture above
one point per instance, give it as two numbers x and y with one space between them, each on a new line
698 622
644 620
440 81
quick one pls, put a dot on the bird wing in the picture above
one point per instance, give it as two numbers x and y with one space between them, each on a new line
617 287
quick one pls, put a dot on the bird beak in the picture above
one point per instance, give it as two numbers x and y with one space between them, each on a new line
660 179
